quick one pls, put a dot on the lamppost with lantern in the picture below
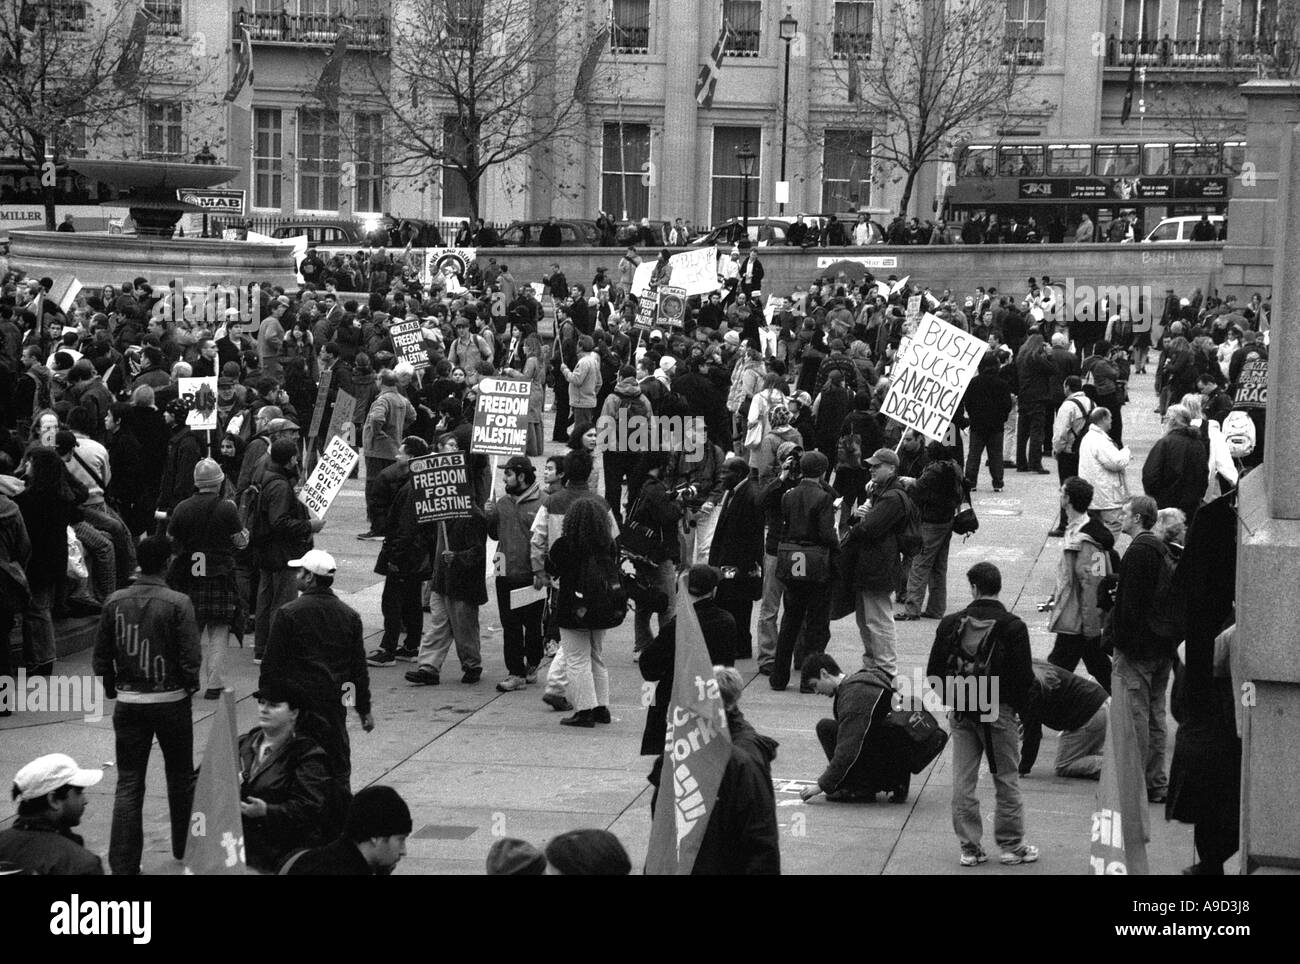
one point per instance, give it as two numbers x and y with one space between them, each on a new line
746 157
789 30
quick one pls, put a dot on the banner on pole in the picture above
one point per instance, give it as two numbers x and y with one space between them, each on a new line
216 835
335 465
646 310
458 259
1119 824
931 375
201 393
672 306
695 270
408 341
443 489
345 406
1252 385
501 417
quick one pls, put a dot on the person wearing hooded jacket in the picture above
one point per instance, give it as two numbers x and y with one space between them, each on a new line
183 454
624 408
780 431
1176 472
1087 557
1103 465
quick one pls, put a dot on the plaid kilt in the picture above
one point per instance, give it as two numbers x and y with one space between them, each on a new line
215 598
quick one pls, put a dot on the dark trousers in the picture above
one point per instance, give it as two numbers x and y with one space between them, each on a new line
1069 649
619 469
807 607
739 601
1111 402
1029 435
7 618
561 432
980 442
1067 465
402 611
1217 839
521 629
135 726
327 724
373 467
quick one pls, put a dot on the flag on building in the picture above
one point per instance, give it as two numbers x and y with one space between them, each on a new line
1127 109
855 77
1120 822
128 65
697 748
241 87
582 86
216 832
707 82
331 77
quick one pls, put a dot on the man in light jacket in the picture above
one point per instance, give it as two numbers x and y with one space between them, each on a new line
389 421
1103 465
1085 560
510 522
584 383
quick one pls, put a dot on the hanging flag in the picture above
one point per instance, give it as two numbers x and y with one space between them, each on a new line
707 82
1127 109
216 834
855 77
241 87
582 86
327 88
697 747
128 65
1120 822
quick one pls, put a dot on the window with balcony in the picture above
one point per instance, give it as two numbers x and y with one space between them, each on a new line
316 21
268 157
846 170
164 131
746 20
1257 30
1026 31
1170 33
455 193
164 17
629 28
369 162
318 159
728 181
851 32
625 159
464 24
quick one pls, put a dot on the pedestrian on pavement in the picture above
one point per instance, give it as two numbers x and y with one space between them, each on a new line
51 801
1087 557
937 493
48 506
862 758
984 643
88 462
373 841
388 421
403 560
584 383
737 549
986 404
771 493
1102 465
1068 431
652 522
874 538
1176 472
510 522
1035 372
1078 708
152 685
1143 657
206 533
282 531
316 644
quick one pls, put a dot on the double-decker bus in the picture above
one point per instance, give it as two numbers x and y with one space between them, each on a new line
1058 179
23 197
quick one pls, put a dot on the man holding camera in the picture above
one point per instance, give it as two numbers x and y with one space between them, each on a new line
737 549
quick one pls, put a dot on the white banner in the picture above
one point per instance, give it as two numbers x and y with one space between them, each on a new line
335 465
696 271
931 374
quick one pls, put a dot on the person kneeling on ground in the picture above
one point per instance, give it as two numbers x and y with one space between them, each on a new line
1078 707
862 760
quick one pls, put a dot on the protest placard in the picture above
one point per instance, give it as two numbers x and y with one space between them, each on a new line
408 343
695 271
1252 385
201 393
646 310
345 407
930 377
501 417
436 259
335 465
322 399
913 309
443 489
672 306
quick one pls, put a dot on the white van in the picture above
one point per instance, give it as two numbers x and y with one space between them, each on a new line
1180 228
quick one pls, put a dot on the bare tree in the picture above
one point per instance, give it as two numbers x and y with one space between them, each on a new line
932 73
73 71
471 85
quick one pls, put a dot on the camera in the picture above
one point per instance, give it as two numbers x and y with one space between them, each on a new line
645 597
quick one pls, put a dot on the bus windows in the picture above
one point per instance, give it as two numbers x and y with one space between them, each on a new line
1069 160
1195 160
1234 156
1155 160
1019 161
1117 160
977 162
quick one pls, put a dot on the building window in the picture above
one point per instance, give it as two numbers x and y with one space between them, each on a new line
746 19
728 182
846 170
318 159
369 162
455 192
630 27
464 22
852 33
164 17
625 162
1026 31
268 158
164 131
69 15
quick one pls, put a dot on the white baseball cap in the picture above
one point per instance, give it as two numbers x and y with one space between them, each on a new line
316 561
48 773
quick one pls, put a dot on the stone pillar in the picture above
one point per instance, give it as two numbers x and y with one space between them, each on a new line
1268 574
678 192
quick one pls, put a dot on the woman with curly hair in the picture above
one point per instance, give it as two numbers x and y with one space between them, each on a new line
585 559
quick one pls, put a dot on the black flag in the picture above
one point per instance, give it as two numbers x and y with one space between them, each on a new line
1127 109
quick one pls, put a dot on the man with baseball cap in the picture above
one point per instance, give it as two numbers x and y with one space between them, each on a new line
50 804
316 643
874 537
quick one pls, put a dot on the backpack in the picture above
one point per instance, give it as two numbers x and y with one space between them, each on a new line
970 654
673 404
1166 617
909 534
600 599
1239 433
848 451
43 397
1076 438
251 516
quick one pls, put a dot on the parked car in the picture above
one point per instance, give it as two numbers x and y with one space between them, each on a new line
1180 228
338 232
762 232
573 234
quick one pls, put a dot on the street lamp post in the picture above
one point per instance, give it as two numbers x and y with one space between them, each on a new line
789 30
746 157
